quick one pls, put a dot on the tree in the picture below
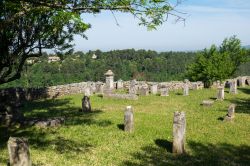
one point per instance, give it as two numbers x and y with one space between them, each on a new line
217 63
29 26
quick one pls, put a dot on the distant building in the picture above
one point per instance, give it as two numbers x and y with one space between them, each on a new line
94 56
53 59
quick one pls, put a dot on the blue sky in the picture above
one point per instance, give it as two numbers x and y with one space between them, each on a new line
207 22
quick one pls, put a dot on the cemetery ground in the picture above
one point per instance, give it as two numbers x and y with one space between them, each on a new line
97 138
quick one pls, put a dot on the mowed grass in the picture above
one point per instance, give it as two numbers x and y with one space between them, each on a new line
98 138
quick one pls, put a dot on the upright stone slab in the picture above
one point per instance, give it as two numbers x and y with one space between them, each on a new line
133 87
19 154
164 92
185 88
179 130
128 119
143 91
109 79
230 113
87 91
195 86
233 87
248 80
119 84
220 93
153 89
242 81
86 106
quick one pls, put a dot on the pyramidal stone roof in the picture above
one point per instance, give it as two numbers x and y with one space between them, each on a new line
109 73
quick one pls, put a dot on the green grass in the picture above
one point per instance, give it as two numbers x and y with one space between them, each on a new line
97 138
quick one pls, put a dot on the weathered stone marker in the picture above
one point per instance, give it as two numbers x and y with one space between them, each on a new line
143 91
133 87
220 93
242 81
230 113
233 87
185 88
195 86
153 89
87 91
207 103
129 119
86 106
119 84
179 130
164 92
19 152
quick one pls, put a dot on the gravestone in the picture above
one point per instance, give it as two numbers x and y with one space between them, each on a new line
133 87
128 119
164 92
230 114
19 154
242 81
179 130
233 87
86 106
185 88
207 103
87 91
248 80
109 79
195 86
153 89
119 84
143 91
220 93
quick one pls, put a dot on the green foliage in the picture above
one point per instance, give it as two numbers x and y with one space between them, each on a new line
29 26
217 63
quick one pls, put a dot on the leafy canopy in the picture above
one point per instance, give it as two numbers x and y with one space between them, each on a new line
217 63
28 26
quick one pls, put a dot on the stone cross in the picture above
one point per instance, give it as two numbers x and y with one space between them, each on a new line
19 154
153 89
179 130
233 87
128 119
164 91
86 106
220 93
109 79
230 113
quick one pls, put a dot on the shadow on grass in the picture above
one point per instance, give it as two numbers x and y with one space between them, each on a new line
39 138
202 154
242 104
120 126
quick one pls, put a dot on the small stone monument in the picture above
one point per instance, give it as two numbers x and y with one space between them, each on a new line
195 86
19 154
185 88
230 113
128 119
119 84
207 103
143 91
233 87
86 107
87 91
242 81
164 92
179 130
153 89
220 93
133 87
109 79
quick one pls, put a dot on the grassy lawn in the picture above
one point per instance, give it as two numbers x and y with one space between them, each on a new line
97 138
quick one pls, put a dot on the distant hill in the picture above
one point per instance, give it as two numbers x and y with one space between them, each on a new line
247 46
